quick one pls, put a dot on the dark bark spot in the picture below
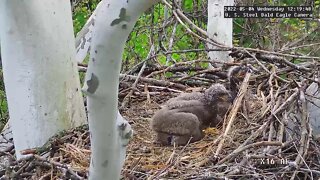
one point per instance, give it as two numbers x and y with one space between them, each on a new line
93 84
84 40
122 17
91 22
105 163
122 126
128 135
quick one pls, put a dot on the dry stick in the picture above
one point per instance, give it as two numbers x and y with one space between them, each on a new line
177 11
20 170
262 128
308 144
272 102
169 58
45 176
271 133
247 141
146 94
264 68
283 124
288 101
271 57
304 140
154 81
125 77
303 37
58 165
257 144
172 67
146 90
301 46
206 39
199 72
234 110
173 162
178 51
160 88
238 168
176 68
277 53
204 33
208 152
285 145
190 31
194 50
134 85
311 170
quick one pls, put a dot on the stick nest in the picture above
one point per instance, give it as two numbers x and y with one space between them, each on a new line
266 134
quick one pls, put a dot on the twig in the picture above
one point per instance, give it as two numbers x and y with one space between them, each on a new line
234 110
257 144
271 57
56 164
154 81
169 58
178 12
213 70
304 140
134 85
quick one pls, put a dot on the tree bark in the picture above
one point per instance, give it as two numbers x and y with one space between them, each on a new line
110 133
219 29
40 71
313 105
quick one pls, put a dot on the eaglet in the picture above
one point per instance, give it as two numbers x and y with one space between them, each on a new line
184 117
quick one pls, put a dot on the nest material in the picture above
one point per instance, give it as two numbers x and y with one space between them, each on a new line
266 135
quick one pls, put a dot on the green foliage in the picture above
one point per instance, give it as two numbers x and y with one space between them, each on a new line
290 3
176 57
162 60
79 18
188 5
4 114
168 74
82 12
3 105
145 33
317 4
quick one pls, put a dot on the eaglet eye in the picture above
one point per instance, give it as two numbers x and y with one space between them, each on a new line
169 139
224 97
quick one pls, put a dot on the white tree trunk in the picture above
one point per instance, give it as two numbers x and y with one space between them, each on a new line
109 131
219 29
40 71
313 104
83 38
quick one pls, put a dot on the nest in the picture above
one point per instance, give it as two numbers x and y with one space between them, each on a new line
267 133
